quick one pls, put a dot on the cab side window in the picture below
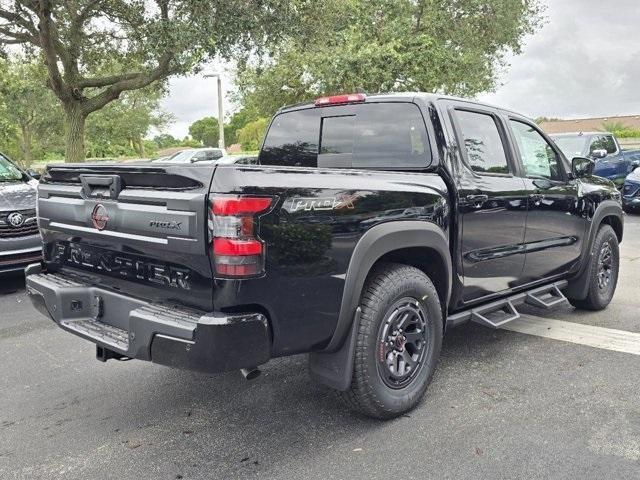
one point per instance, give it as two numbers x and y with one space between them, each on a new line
538 157
482 141
199 157
603 142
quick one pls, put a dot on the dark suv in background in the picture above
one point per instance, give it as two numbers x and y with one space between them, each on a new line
20 242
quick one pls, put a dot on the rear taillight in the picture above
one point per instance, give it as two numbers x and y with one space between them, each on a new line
238 252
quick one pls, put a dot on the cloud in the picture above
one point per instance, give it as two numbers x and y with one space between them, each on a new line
584 62
194 97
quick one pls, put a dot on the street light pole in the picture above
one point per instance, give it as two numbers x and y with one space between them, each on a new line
220 114
220 109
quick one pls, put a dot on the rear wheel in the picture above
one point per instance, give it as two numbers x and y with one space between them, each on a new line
398 343
604 267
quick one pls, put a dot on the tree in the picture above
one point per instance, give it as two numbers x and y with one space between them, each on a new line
120 127
205 131
8 133
238 120
541 120
252 134
94 50
29 107
165 140
389 45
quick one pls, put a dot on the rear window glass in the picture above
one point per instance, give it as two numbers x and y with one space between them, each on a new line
292 140
337 134
376 135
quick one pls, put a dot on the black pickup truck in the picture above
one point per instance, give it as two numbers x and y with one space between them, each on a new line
370 226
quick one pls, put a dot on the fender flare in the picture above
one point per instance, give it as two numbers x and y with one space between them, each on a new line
334 365
579 284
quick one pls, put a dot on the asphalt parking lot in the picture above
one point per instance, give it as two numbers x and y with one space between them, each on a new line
503 404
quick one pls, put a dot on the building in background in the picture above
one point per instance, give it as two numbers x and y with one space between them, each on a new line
629 123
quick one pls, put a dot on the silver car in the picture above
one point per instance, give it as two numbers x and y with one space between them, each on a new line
20 242
195 155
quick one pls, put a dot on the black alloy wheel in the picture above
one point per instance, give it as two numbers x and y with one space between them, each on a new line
402 343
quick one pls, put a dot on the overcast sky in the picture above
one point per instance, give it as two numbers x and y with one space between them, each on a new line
584 62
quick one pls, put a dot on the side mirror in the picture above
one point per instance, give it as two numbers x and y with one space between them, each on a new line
582 167
33 174
600 153
635 164
543 183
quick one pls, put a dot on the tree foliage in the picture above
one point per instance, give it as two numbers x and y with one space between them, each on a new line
237 121
389 45
94 50
120 127
206 131
30 111
620 130
541 120
251 135
165 140
31 118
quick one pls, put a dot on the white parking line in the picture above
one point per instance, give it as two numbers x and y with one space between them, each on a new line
598 337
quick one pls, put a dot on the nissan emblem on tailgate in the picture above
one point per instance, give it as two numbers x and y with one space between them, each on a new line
99 217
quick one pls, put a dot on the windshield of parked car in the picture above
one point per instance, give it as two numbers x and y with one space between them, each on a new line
571 146
8 171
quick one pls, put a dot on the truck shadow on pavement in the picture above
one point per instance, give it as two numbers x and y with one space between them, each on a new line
229 427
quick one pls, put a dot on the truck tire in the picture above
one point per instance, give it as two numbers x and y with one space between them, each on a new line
603 271
398 342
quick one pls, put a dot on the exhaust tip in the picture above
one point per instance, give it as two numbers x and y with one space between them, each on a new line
250 373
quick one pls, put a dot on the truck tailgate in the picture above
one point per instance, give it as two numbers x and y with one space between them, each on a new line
134 227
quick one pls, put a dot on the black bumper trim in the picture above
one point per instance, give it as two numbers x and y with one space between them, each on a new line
230 343
167 335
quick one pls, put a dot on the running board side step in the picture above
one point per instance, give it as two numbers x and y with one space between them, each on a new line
498 313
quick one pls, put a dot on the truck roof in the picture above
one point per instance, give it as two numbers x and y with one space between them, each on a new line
402 96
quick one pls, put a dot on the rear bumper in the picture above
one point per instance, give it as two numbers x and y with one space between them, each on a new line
167 335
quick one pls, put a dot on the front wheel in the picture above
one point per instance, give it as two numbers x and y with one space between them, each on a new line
603 271
398 342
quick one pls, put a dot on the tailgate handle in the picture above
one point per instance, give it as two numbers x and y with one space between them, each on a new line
101 186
